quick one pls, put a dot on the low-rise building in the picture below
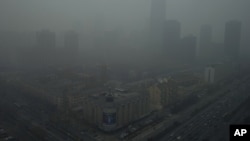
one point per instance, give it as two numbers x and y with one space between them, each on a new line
217 72
162 93
112 110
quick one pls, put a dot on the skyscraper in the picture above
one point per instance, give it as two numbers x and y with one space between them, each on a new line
157 18
232 39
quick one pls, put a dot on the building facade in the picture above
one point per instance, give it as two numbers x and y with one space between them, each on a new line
163 93
110 111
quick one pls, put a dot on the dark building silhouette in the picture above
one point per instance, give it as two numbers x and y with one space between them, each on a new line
188 49
157 18
46 39
171 37
232 40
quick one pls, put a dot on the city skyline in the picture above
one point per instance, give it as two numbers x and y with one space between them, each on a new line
191 14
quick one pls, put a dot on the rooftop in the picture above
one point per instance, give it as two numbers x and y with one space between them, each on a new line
117 96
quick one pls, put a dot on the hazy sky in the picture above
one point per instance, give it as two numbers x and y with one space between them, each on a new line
64 14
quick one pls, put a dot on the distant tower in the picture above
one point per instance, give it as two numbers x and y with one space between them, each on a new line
46 39
232 40
157 18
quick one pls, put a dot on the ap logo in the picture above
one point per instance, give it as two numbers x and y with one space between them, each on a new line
239 133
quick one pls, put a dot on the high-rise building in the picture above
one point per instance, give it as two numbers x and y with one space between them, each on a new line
157 18
46 39
232 40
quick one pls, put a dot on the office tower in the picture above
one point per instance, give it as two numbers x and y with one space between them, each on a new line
171 36
232 40
188 49
46 39
158 15
71 41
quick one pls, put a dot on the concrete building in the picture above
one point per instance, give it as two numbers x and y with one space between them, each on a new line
216 72
114 109
232 40
162 93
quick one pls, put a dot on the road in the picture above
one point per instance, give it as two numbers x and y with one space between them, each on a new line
204 124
